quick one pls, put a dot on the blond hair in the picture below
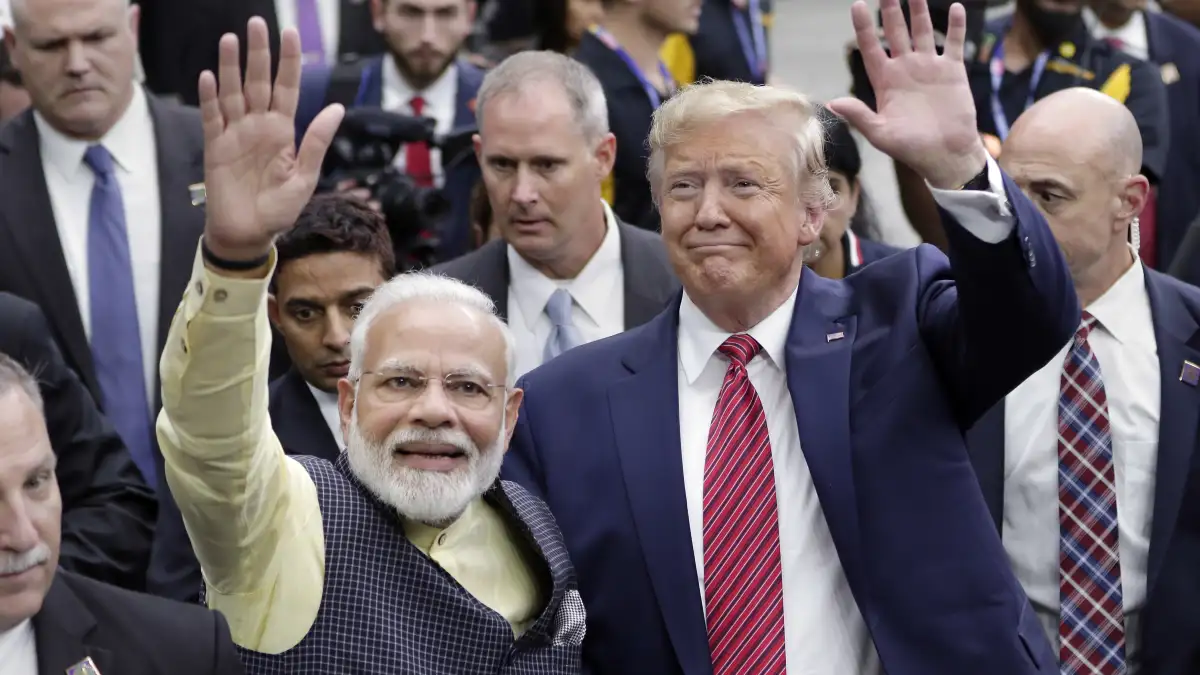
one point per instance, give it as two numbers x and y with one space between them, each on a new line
709 101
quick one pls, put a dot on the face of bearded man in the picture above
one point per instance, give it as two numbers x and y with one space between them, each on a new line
435 498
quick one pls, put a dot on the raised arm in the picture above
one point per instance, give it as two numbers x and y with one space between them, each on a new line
251 513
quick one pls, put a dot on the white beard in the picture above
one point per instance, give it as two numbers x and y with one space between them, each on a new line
435 498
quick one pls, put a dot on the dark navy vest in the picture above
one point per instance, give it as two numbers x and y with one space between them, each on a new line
387 609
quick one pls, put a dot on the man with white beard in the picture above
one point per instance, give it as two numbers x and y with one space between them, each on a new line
407 554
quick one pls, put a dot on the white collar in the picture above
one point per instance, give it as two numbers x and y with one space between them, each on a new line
1114 310
125 141
699 337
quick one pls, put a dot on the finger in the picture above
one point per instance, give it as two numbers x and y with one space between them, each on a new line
922 26
210 107
956 34
894 27
258 66
229 79
287 80
317 140
874 58
857 114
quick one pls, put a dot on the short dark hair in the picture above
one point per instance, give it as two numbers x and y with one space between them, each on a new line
337 223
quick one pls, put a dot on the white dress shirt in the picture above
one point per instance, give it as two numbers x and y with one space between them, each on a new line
824 631
328 403
18 650
441 103
1133 35
1124 344
598 291
133 147
329 14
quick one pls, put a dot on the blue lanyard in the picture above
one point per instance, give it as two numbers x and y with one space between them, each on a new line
651 91
752 36
997 68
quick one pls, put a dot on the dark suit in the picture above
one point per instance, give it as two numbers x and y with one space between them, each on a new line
179 40
649 281
128 633
927 346
859 252
455 234
1175 47
1170 624
297 421
718 51
108 511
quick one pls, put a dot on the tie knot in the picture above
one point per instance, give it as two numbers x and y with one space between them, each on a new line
740 348
1086 324
417 103
98 160
558 308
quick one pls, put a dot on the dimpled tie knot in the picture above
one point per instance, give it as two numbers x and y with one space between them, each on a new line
563 333
740 348
99 161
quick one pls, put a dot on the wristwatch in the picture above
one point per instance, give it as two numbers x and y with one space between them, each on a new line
980 182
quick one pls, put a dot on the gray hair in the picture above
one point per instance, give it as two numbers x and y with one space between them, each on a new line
426 286
711 101
14 376
583 90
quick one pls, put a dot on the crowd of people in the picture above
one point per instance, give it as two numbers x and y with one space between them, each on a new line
559 337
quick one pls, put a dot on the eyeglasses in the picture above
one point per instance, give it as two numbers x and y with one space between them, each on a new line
462 389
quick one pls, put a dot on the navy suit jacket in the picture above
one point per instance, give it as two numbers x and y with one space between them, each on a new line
1175 46
929 345
1170 622
455 235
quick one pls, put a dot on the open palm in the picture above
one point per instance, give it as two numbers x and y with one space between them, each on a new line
256 183
925 114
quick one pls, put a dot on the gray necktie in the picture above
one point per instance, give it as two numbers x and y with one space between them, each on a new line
563 335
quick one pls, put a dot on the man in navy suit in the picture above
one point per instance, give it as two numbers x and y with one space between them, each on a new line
828 516
421 76
1078 153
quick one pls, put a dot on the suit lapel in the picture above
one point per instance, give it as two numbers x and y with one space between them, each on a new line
985 445
1176 331
180 164
29 217
645 415
489 273
645 290
297 420
818 375
61 630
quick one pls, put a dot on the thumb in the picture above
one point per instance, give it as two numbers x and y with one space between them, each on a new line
857 114
317 140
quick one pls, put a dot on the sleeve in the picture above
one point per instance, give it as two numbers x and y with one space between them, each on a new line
1139 85
521 464
108 509
983 213
251 512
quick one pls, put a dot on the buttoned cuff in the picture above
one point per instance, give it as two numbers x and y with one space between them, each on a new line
210 293
986 214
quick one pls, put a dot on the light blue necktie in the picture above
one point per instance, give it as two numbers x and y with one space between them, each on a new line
116 340
563 335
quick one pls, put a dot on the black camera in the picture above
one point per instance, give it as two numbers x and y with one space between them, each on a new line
363 154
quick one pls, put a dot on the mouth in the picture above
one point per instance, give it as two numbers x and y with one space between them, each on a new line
430 457
15 576
336 369
524 225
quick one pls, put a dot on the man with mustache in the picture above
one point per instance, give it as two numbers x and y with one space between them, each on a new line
407 554
52 620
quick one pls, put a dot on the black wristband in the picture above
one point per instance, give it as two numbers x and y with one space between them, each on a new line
980 182
232 265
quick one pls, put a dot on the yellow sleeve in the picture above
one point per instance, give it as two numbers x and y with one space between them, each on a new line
251 512
677 54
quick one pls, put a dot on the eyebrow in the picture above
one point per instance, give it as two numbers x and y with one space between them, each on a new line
309 303
398 366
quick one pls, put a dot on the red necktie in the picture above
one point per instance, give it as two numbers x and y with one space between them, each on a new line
1116 42
743 577
417 162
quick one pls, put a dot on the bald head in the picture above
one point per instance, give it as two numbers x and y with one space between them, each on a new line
1082 125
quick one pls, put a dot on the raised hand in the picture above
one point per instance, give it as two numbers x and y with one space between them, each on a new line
255 181
925 113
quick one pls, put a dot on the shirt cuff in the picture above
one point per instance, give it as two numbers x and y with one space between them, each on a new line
986 214
220 296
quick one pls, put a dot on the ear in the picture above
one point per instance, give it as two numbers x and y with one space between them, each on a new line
1133 198
10 42
810 229
273 310
852 199
346 400
477 143
135 20
512 407
377 14
606 155
472 8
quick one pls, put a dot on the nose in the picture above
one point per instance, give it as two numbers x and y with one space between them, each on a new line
525 190
17 532
711 215
77 63
337 331
429 29
431 408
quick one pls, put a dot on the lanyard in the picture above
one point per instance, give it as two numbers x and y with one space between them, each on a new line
997 67
651 91
752 36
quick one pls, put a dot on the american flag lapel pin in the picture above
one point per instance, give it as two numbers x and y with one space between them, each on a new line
1190 374
197 193
84 667
834 336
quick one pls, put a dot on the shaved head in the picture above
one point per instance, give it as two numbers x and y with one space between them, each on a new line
1077 153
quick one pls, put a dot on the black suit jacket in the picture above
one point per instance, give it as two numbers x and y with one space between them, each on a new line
1170 622
127 633
178 40
32 264
649 280
108 510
